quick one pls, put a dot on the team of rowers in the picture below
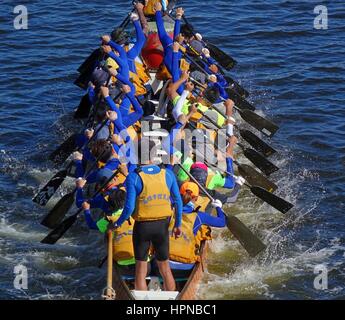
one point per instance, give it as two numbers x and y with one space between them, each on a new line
159 216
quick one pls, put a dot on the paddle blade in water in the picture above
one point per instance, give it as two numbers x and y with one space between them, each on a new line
245 236
260 161
90 61
60 230
44 195
84 108
60 155
237 87
239 101
255 178
222 58
257 143
267 127
211 94
273 200
55 215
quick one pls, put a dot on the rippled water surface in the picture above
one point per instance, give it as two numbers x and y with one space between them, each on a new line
296 76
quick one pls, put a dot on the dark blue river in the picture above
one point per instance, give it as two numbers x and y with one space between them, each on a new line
296 77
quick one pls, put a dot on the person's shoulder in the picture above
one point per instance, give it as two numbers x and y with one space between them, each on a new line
132 177
150 169
169 173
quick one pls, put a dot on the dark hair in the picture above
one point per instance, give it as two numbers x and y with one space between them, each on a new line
117 199
101 112
187 197
102 150
145 148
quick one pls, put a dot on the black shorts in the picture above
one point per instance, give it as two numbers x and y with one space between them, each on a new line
146 233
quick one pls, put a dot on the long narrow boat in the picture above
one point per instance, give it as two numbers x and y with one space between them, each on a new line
187 288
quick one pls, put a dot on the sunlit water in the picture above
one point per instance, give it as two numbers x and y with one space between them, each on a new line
296 77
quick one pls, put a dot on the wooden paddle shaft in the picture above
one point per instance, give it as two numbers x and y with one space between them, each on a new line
110 265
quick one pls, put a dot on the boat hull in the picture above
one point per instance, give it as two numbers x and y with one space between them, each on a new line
188 291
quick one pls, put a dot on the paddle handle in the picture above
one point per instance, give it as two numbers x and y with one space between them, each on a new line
109 292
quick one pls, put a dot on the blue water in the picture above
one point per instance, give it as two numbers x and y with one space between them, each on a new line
296 76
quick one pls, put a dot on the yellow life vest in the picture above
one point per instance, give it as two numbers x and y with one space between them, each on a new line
202 202
163 73
138 84
153 203
111 64
184 65
186 248
140 77
149 9
122 243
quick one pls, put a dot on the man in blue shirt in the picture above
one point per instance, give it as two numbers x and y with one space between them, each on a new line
151 191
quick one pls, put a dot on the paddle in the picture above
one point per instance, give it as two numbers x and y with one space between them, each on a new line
268 197
84 108
61 229
55 215
232 83
60 155
222 58
233 95
247 135
237 87
44 195
256 158
251 243
267 127
250 174
93 58
258 144
109 291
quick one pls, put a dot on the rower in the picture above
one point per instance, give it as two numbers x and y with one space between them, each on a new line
149 189
185 251
166 41
106 200
123 253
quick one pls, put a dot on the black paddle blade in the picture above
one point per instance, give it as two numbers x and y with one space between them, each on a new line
44 195
84 108
60 155
55 215
257 143
222 58
237 87
60 230
239 101
266 166
255 178
90 62
267 127
273 200
248 240
211 94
